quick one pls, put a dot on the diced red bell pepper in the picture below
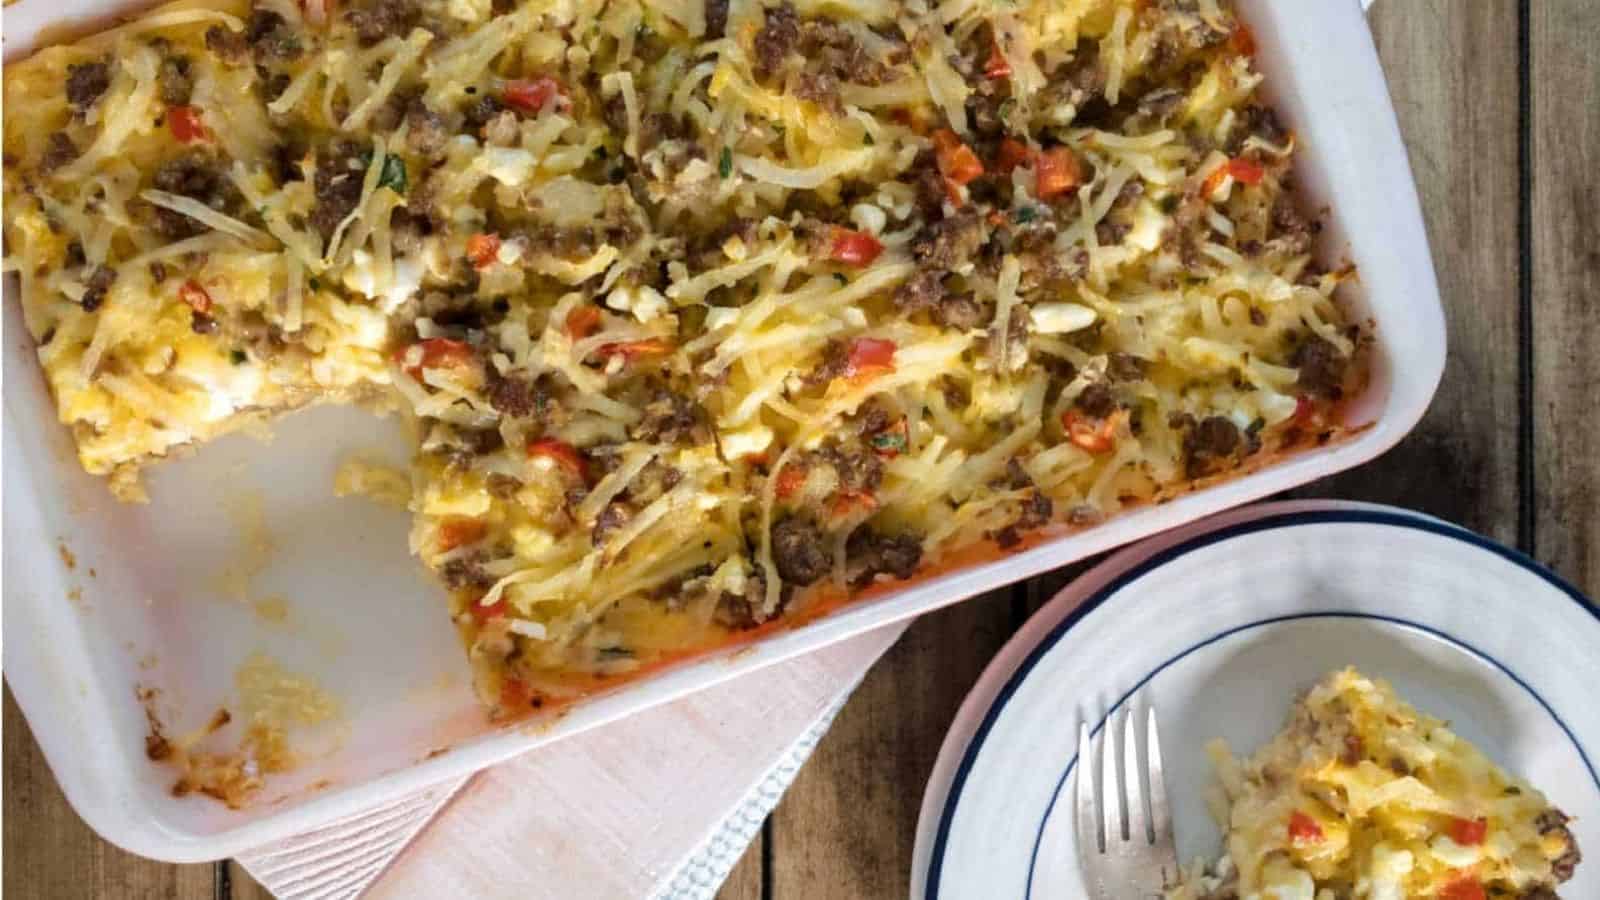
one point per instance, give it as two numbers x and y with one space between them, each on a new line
437 353
845 502
1468 832
515 693
790 481
1303 829
1012 153
531 94
1464 888
869 357
997 65
1243 170
1091 434
632 350
583 321
957 162
1243 40
564 455
1305 409
457 532
485 613
192 293
185 124
1057 172
483 249
854 248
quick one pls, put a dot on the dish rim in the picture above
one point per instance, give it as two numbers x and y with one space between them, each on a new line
1132 564
1400 399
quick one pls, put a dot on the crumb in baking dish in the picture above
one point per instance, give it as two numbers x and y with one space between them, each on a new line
276 710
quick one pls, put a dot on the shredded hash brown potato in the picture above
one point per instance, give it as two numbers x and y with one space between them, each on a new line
1360 795
711 313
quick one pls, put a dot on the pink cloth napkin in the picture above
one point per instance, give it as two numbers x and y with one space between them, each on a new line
661 804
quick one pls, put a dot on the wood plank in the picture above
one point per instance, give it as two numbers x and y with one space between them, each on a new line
1452 70
51 854
744 882
1565 79
1036 592
846 827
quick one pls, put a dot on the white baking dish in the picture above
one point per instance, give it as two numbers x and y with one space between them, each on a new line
143 605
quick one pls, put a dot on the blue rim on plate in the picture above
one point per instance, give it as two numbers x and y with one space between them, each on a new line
1162 557
1066 773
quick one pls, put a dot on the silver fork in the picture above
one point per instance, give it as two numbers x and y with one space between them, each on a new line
1125 849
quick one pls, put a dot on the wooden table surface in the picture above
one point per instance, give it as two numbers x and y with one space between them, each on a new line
1499 101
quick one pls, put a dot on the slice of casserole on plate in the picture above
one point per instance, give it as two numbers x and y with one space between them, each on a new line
1360 795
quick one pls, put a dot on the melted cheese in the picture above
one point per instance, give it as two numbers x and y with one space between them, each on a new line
1361 795
651 294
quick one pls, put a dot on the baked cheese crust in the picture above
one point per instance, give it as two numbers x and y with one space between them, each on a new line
711 314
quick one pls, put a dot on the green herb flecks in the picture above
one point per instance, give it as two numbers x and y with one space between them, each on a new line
725 162
239 357
393 175
891 441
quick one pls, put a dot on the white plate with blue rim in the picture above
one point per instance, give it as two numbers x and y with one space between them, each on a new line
1219 626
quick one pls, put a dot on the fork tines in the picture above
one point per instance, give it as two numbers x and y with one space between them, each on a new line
1125 842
